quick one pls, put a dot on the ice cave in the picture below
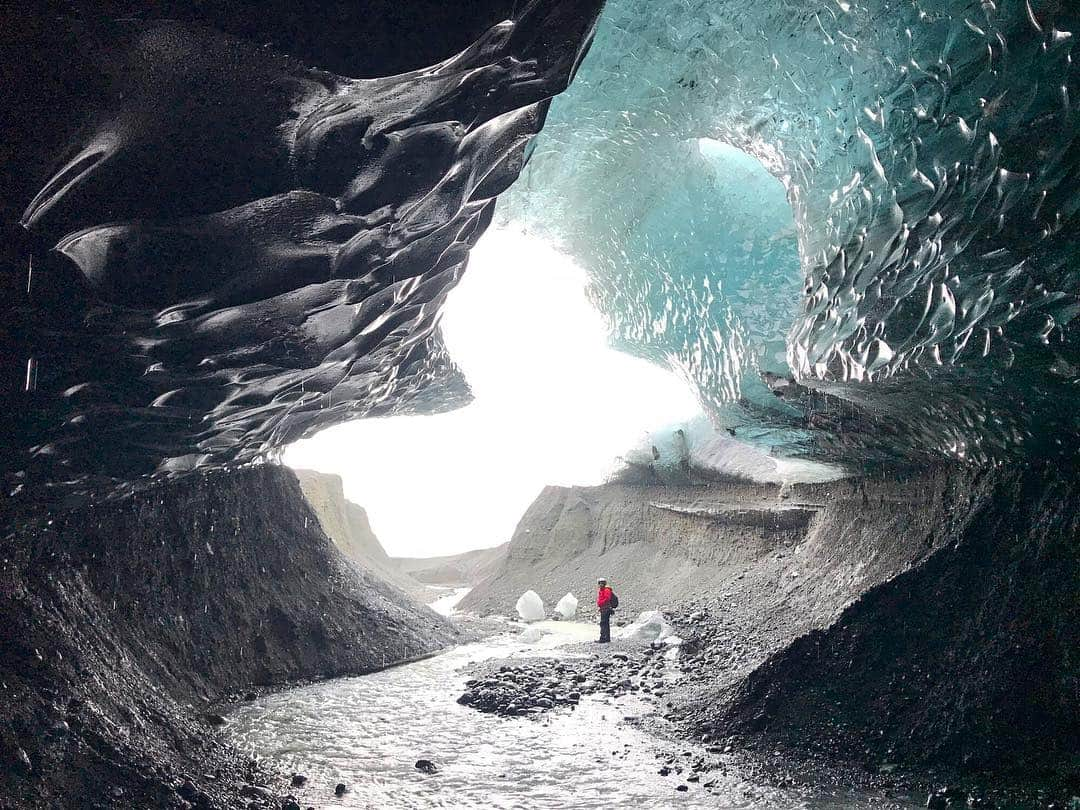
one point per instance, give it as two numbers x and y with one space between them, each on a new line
847 228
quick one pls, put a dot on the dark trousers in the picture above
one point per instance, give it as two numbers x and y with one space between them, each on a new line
605 625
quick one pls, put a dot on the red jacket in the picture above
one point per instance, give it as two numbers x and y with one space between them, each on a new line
603 597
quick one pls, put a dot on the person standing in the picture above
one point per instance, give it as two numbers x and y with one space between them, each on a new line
604 599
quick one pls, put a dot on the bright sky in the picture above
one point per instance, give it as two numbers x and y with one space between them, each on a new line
554 405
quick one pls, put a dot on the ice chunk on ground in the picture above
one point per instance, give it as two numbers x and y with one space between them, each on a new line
648 627
530 606
567 606
531 635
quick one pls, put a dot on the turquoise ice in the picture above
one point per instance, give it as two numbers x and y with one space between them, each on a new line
875 197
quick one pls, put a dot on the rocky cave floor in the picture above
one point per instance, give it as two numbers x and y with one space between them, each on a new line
107 704
525 689
669 679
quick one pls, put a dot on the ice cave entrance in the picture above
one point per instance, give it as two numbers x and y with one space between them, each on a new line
554 404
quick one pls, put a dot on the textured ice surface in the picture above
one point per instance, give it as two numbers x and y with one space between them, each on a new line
649 626
227 248
928 281
851 225
678 454
530 607
567 606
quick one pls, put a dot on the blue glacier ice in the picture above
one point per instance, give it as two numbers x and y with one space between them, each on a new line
849 223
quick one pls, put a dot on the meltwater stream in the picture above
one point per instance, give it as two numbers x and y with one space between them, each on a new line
369 731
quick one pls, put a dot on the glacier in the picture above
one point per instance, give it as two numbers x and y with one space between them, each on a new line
897 274
216 243
849 227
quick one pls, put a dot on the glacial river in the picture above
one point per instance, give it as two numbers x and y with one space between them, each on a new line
369 731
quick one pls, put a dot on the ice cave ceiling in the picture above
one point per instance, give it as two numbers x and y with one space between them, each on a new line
849 225
929 153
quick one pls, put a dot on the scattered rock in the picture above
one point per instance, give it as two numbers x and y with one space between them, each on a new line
949 797
340 789
536 685
22 761
189 793
257 792
298 780
426 766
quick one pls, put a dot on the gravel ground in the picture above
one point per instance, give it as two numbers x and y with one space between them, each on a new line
670 680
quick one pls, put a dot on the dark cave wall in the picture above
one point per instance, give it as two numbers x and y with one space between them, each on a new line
969 660
214 244
347 37
124 619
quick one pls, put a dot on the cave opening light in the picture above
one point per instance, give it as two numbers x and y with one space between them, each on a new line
554 404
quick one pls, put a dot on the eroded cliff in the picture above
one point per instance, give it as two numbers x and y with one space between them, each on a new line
970 659
664 545
347 524
125 619
467 568
919 620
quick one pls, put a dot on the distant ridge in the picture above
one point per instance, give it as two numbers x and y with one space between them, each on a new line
347 524
468 568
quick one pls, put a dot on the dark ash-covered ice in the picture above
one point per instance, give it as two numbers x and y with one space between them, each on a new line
227 246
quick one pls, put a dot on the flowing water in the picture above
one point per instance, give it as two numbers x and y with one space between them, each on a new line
369 731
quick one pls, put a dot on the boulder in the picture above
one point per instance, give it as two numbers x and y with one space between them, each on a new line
426 766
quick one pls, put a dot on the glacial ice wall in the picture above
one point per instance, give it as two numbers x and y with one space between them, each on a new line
849 224
223 248
929 155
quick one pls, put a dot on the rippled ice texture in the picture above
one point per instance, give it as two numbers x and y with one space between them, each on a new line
369 731
928 150
254 248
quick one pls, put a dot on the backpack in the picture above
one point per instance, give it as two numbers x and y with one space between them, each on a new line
614 601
